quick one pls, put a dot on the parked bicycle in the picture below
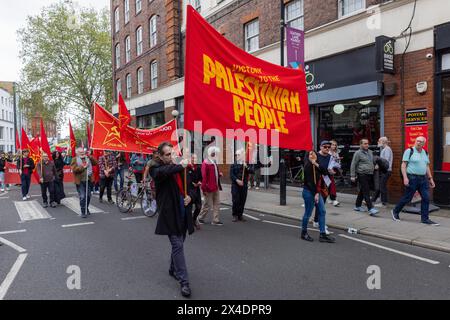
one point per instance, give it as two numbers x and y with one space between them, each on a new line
127 198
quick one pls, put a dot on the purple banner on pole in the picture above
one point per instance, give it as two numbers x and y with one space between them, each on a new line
295 40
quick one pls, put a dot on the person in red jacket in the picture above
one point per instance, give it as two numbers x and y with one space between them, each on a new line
211 187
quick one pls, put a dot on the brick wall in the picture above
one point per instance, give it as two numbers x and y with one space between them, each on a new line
417 68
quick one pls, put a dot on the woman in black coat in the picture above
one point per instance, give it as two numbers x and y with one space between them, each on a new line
59 181
175 209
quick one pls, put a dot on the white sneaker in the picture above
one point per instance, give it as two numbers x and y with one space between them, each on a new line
2 190
257 188
336 203
28 196
315 224
330 201
24 198
7 188
326 231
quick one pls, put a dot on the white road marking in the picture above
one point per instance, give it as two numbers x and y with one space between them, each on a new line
391 250
11 232
4 197
251 217
77 224
12 275
12 245
290 225
31 210
73 204
223 209
133 218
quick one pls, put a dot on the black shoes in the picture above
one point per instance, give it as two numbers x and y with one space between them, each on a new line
185 291
324 238
100 200
45 205
305 236
431 223
53 205
242 219
110 201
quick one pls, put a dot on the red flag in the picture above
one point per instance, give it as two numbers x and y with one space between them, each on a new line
73 141
25 141
33 147
17 141
44 142
124 114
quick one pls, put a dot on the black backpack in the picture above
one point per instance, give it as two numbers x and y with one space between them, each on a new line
383 164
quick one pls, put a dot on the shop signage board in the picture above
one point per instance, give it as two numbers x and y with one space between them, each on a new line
385 53
416 125
295 41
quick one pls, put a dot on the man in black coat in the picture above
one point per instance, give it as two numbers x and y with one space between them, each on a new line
174 207
195 175
239 185
26 167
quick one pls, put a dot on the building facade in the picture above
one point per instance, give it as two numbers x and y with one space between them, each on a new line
353 91
7 135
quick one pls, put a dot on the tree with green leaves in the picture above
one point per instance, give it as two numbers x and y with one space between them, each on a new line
66 52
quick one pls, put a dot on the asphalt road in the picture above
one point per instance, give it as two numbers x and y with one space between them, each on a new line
261 259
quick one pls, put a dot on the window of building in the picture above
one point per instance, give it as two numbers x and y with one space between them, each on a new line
126 6
11 135
150 121
127 49
139 41
117 19
154 74
347 7
117 56
1 133
446 122
180 108
118 88
294 14
446 61
3 114
196 4
138 6
252 36
128 86
153 33
140 80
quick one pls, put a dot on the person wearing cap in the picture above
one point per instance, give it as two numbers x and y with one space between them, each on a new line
26 166
362 169
239 174
211 187
47 175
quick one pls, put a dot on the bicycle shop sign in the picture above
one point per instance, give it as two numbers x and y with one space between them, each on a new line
385 52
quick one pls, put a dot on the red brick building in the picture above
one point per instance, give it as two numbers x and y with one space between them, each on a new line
350 96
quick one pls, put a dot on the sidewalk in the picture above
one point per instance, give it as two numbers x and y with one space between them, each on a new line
409 230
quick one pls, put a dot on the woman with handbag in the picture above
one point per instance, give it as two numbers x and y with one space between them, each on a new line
313 184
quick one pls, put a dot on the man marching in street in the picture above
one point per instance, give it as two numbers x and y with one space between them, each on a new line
195 172
82 173
416 178
26 166
239 174
108 166
174 204
47 175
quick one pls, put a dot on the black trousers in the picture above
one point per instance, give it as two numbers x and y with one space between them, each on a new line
239 197
364 181
197 202
382 189
107 183
50 186
59 190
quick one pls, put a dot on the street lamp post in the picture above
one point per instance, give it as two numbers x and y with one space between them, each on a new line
282 162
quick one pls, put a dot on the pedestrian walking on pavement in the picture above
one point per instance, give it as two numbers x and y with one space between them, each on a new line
211 187
417 177
83 178
313 183
239 174
174 205
59 181
195 172
107 165
335 165
384 175
3 161
47 175
362 169
26 167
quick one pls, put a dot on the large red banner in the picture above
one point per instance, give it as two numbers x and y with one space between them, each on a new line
228 88
107 135
12 174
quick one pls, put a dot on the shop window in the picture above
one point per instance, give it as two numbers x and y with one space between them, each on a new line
294 14
150 121
446 61
446 122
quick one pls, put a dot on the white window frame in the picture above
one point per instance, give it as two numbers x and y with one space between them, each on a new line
140 80
117 55
291 20
126 8
196 4
127 49
139 42
118 88
154 74
129 85
342 4
249 37
117 19
138 6
153 27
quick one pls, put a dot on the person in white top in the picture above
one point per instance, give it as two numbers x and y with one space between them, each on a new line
386 153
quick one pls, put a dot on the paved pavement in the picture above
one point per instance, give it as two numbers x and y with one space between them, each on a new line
264 258
408 231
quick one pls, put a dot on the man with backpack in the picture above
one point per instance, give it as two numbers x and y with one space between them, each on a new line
384 165
416 177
